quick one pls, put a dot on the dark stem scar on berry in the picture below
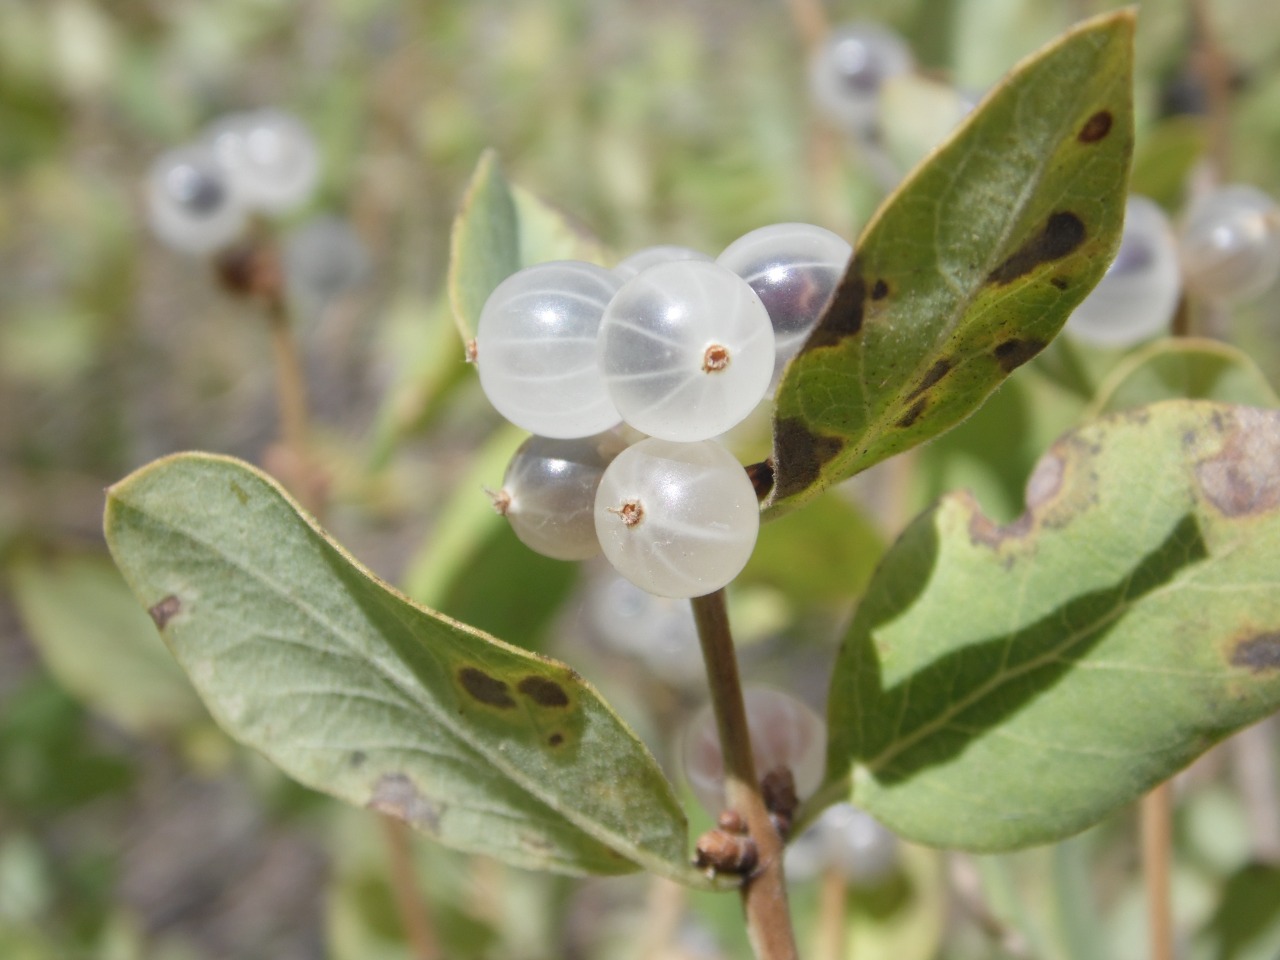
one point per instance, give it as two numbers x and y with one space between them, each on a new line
486 689
500 499
470 351
715 359
165 610
631 512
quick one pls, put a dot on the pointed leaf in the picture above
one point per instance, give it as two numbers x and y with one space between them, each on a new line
1005 685
500 228
351 689
970 268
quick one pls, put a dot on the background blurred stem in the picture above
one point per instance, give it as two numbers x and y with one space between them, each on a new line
764 893
1156 814
410 903
833 921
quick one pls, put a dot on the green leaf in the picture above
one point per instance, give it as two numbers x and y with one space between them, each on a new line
500 228
970 268
353 690
484 248
1006 685
99 645
1183 367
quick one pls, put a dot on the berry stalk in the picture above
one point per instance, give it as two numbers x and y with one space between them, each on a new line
764 893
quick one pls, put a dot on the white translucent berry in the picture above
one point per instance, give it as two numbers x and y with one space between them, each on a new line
785 734
549 493
849 68
1230 244
270 155
793 268
849 840
192 205
677 519
536 349
686 349
323 259
658 631
652 256
1136 297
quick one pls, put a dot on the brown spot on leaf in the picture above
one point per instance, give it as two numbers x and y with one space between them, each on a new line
761 477
1045 480
802 454
1059 283
912 415
543 692
843 316
488 690
1014 353
1063 232
165 610
939 370
397 796
984 530
1243 478
879 290
1259 654
556 739
1096 127
357 758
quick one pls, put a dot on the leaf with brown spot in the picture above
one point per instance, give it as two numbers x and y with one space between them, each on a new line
302 654
1039 674
977 259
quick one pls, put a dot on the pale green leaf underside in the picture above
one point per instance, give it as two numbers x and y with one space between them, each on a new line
353 690
1002 686
970 268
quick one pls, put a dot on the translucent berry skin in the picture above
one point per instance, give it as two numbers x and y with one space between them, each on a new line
793 268
658 631
848 70
536 349
686 350
784 734
271 157
1230 244
648 257
1136 297
847 838
192 205
677 519
549 493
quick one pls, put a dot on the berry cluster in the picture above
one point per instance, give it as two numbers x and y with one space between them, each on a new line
677 346
1226 250
200 196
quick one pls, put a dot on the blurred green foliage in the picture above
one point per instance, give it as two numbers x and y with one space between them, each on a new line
649 122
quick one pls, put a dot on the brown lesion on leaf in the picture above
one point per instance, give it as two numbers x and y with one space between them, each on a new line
1060 283
879 289
488 690
1014 353
1258 654
844 314
555 739
939 370
543 692
165 610
1243 478
1096 127
802 454
395 795
1061 235
913 414
1043 486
